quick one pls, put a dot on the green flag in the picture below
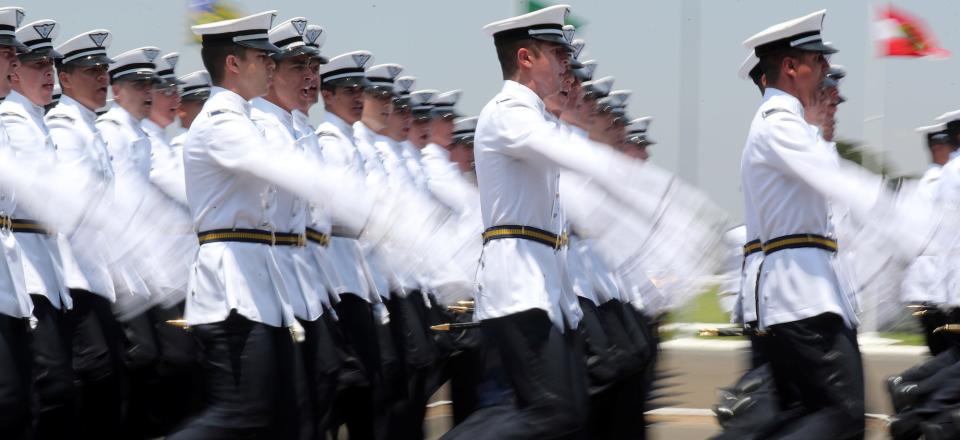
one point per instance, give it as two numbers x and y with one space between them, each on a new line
535 5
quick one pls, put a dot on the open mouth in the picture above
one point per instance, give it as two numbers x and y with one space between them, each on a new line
148 102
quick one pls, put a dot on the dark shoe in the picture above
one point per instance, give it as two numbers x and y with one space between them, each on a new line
905 396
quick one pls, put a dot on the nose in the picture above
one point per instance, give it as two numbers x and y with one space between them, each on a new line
14 62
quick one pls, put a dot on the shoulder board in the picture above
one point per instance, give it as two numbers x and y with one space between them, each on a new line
12 114
223 111
500 101
326 133
771 111
112 121
65 118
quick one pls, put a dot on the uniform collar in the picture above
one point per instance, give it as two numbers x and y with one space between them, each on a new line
776 98
118 112
341 125
34 110
523 93
229 99
264 105
88 115
151 128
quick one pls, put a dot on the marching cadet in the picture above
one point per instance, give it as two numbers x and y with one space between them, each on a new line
377 106
359 309
194 91
521 309
132 78
825 379
237 307
305 287
461 147
22 116
325 356
176 395
166 164
923 286
411 353
421 112
15 303
97 358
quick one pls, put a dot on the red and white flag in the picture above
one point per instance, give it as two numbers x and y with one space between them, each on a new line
900 34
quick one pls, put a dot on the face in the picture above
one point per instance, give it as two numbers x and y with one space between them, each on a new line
87 85
290 88
377 107
420 133
313 87
166 104
345 102
549 67
8 64
188 111
441 130
255 72
808 72
461 153
34 80
134 96
940 153
398 124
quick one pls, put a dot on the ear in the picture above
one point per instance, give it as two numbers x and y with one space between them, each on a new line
326 94
64 80
232 63
15 75
524 58
789 66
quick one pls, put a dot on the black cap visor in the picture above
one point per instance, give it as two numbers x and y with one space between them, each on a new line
91 60
285 54
8 40
261 44
349 81
137 76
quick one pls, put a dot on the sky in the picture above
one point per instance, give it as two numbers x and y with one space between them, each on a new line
680 59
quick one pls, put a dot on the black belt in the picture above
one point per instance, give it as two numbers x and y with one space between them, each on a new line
289 239
752 247
315 236
527 233
258 236
24 225
798 241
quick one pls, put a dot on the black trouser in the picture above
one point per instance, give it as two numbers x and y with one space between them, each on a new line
930 375
141 417
545 369
178 394
15 366
53 391
634 328
321 365
97 364
817 368
356 405
416 356
608 367
469 368
250 377
932 318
